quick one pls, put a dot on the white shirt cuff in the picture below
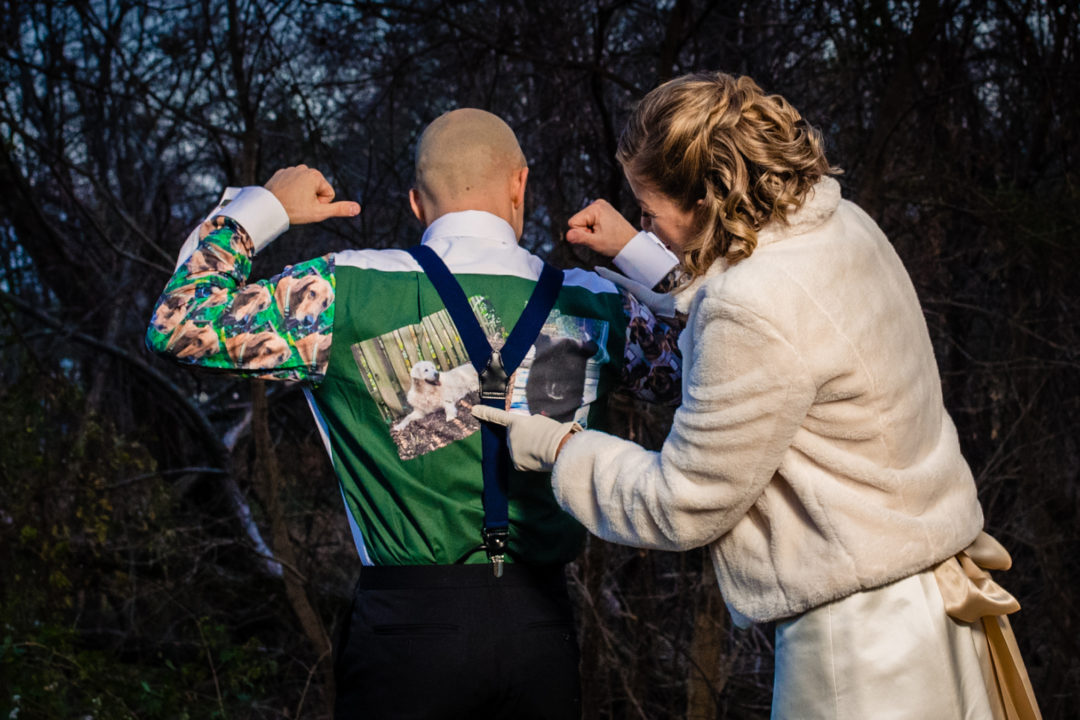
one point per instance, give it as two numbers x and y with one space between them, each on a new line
260 214
192 240
645 259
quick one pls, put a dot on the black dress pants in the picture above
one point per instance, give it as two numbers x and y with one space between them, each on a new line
453 641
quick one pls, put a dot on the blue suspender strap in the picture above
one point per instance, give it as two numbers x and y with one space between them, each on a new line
494 368
453 297
532 318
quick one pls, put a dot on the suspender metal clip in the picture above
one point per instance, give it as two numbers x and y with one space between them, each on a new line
495 541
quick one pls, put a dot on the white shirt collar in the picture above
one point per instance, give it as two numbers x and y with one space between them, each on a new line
476 224
473 241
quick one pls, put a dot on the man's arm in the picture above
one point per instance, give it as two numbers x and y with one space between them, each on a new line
639 255
282 328
652 362
646 261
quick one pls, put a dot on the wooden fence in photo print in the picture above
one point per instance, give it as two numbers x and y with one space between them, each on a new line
386 361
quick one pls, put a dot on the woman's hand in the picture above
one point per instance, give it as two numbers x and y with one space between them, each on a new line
601 228
534 440
306 195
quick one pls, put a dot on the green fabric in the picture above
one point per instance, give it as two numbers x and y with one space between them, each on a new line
411 478
427 509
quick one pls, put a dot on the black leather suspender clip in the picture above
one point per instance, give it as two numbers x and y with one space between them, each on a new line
493 379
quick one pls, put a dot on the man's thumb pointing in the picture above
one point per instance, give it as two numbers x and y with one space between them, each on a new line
342 209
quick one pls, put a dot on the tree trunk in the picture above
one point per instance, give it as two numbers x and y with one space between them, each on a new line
268 468
708 669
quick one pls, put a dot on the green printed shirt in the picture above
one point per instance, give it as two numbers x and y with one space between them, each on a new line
390 384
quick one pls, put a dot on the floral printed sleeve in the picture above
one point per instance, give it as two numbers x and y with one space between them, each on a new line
211 317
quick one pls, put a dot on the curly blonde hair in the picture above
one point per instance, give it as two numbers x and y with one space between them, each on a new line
719 144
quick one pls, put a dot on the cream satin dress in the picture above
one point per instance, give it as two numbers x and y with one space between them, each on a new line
903 651
885 654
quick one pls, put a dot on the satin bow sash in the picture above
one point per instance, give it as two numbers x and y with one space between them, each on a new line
971 595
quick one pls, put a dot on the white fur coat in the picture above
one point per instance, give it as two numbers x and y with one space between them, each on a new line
812 451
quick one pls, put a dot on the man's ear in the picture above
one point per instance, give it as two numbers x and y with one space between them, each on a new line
517 186
416 202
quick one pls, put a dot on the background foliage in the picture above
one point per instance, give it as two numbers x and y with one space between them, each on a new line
168 548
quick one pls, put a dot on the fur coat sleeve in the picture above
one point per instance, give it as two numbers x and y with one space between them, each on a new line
740 411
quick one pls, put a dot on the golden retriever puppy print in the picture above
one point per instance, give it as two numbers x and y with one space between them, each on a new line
246 304
216 296
210 258
239 242
302 300
314 348
430 390
193 342
172 310
263 350
209 226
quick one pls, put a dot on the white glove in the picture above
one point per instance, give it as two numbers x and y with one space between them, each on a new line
533 440
661 304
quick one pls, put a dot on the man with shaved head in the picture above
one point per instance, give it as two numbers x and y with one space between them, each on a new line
448 621
469 159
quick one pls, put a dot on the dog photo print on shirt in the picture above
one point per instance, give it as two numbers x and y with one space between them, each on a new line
424 385
560 375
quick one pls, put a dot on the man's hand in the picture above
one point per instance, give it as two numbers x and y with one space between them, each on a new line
601 228
306 196
534 440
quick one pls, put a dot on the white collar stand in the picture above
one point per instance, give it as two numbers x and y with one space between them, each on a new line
476 224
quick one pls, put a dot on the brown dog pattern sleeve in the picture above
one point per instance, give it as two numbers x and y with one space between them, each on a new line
210 316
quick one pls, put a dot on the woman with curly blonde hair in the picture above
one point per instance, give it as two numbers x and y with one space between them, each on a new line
812 452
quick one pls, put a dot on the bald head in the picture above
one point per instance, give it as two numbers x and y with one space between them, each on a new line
469 159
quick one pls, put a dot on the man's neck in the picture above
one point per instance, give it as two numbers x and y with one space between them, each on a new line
499 210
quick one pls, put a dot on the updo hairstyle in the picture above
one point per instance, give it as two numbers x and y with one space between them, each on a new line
748 157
